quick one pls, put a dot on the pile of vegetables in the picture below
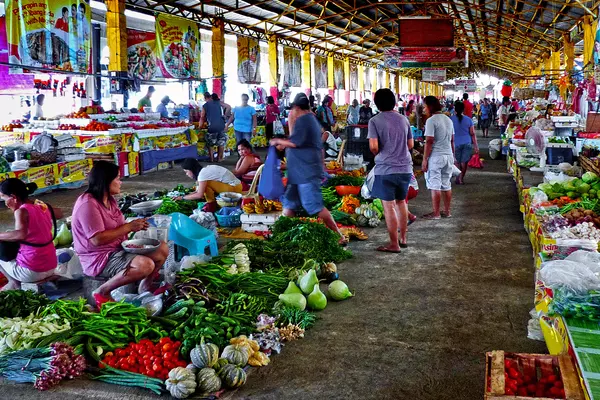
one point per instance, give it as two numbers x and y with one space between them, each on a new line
20 303
349 204
169 206
24 333
343 180
523 379
308 285
588 187
367 215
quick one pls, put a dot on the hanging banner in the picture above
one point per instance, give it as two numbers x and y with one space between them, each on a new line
434 74
367 79
466 85
596 53
338 74
353 77
320 72
380 79
141 55
420 57
53 34
292 65
177 47
248 60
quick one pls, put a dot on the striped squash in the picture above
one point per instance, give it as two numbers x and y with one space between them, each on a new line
232 376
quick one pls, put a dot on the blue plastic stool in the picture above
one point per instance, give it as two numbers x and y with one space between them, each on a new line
190 238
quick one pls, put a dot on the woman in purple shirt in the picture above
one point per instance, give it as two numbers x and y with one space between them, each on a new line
99 228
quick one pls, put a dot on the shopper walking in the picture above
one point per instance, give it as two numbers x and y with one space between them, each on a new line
485 118
272 114
410 108
365 113
244 120
390 140
464 140
353 114
212 113
325 115
468 105
438 159
503 114
304 152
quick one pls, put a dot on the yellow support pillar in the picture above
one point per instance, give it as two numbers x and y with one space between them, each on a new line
374 83
330 75
361 82
555 63
397 85
569 50
218 56
116 33
306 71
273 66
387 79
347 80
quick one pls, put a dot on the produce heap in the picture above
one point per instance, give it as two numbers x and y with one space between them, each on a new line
218 319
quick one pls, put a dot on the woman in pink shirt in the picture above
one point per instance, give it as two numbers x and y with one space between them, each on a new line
99 228
272 113
36 259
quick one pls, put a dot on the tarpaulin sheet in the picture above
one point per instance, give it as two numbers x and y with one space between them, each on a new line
151 159
11 84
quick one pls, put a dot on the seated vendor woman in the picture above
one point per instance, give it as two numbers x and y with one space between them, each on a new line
248 164
99 228
212 180
36 256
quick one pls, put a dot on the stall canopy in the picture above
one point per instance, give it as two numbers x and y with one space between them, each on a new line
501 36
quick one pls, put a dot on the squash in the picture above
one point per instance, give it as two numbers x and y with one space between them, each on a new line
204 355
237 354
232 376
221 362
362 220
368 213
181 382
208 380
374 222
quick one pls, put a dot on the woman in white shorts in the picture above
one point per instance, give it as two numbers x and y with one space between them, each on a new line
438 160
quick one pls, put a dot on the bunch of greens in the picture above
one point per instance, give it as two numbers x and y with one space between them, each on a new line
169 206
330 196
291 315
345 181
20 303
309 239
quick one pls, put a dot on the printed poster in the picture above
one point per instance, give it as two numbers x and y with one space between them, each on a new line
141 55
380 78
44 176
596 53
338 74
320 72
292 66
353 77
74 171
248 60
367 79
177 47
53 34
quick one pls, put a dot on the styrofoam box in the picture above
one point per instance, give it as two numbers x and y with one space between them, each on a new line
256 227
265 219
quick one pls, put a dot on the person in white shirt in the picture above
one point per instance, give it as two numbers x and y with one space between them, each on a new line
39 102
212 180
162 107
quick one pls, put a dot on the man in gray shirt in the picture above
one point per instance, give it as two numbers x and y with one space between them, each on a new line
390 139
213 112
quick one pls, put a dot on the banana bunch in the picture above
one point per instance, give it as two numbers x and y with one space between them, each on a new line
354 233
262 207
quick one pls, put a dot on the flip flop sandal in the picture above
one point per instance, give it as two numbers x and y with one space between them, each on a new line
430 216
444 215
384 249
411 221
403 245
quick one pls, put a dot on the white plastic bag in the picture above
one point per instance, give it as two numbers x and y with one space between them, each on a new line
495 148
367 187
205 219
188 262
575 277
455 171
278 127
69 266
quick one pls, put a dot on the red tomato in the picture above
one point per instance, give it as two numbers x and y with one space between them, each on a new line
543 380
512 385
561 393
519 381
167 347
156 367
531 388
552 378
509 391
119 352
558 384
522 391
131 360
177 344
513 373
164 340
527 378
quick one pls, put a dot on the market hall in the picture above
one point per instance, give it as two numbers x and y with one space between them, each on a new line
268 199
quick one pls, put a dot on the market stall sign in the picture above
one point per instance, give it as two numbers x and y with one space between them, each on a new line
177 47
52 34
419 57
434 74
141 55
466 85
434 32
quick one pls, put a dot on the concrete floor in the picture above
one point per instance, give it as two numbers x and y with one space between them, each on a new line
420 321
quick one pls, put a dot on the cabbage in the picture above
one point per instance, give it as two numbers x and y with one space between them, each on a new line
589 177
583 188
338 290
546 187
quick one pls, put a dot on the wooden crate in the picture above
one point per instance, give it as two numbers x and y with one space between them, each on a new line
494 369
588 165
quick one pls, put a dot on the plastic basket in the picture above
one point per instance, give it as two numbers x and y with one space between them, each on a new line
228 221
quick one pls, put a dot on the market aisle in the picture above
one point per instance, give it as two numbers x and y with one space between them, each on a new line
421 321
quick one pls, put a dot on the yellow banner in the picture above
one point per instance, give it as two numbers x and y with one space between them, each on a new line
248 60
141 55
44 176
338 74
321 72
74 171
54 34
177 47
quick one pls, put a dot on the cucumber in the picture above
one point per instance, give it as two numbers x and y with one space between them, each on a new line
179 305
180 314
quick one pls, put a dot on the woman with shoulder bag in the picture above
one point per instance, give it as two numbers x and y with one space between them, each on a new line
31 239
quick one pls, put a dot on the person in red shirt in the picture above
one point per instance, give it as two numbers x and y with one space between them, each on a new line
468 106
63 23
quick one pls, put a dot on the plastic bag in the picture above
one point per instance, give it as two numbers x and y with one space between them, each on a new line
574 277
534 329
205 219
69 266
495 149
455 171
570 305
585 257
367 187
278 128
539 197
270 185
475 162
187 262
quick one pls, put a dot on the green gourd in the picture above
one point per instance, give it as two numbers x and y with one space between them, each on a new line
295 300
204 355
308 281
317 300
232 376
208 380
236 354
292 288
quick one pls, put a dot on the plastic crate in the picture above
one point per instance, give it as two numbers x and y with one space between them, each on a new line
557 155
228 221
357 133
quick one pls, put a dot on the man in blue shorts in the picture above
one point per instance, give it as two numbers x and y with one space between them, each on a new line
304 152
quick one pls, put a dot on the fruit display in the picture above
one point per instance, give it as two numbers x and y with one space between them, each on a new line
12 126
262 206
97 126
81 114
67 127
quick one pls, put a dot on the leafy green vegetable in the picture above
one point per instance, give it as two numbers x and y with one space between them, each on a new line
589 177
345 181
20 303
290 315
170 206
